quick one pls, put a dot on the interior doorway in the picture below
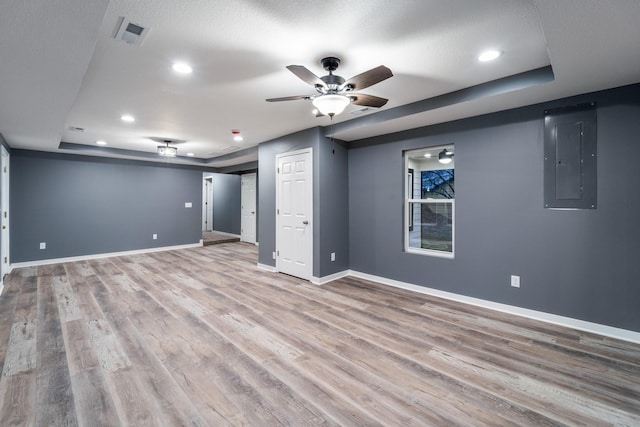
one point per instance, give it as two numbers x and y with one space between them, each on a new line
207 203
248 208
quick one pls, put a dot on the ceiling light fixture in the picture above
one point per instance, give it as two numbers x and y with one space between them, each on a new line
427 155
489 55
167 150
190 154
128 118
182 68
331 104
236 135
445 157
101 142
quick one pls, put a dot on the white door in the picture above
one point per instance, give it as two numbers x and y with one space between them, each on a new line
248 208
207 204
294 214
4 213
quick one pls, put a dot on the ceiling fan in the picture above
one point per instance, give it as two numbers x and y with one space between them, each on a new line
334 92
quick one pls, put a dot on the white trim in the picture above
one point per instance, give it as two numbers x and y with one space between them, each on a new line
105 255
294 153
581 325
266 267
330 278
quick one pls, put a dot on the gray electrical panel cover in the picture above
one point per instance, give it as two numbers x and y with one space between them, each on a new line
570 157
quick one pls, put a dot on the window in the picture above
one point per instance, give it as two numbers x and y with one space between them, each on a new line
430 201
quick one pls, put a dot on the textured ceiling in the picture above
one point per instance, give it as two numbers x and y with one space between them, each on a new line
63 68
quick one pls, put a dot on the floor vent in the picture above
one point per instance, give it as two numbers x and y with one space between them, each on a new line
130 32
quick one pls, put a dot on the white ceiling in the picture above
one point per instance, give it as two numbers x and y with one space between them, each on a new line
61 66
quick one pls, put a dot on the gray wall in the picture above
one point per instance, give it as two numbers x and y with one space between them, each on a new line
82 205
226 203
333 200
330 199
580 264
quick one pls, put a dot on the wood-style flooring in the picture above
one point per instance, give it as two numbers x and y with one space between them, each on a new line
216 238
201 337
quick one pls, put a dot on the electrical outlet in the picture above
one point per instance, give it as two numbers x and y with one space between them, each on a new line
43 245
155 237
333 256
515 281
274 255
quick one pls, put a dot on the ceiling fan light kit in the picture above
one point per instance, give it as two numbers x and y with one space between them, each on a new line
445 156
167 150
330 105
334 93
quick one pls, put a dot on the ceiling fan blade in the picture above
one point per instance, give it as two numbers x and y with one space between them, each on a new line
288 98
367 100
368 78
305 75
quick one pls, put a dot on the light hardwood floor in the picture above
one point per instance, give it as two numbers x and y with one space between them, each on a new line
202 337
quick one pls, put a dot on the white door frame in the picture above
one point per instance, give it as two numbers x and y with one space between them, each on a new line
5 260
245 206
308 250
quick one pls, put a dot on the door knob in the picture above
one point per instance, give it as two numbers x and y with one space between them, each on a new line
252 212
305 222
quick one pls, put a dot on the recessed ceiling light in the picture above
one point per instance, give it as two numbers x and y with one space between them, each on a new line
190 154
489 55
101 142
427 155
236 135
182 68
128 118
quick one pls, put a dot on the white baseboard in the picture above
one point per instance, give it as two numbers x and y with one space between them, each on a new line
104 255
326 279
266 267
581 325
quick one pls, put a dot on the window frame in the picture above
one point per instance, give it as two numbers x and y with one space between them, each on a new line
408 207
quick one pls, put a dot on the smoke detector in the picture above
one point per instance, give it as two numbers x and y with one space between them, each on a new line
131 32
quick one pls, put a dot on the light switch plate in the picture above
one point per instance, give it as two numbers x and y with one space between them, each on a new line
515 281
188 205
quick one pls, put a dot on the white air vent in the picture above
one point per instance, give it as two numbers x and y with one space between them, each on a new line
131 32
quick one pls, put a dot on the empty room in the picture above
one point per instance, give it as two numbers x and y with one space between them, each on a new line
349 213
